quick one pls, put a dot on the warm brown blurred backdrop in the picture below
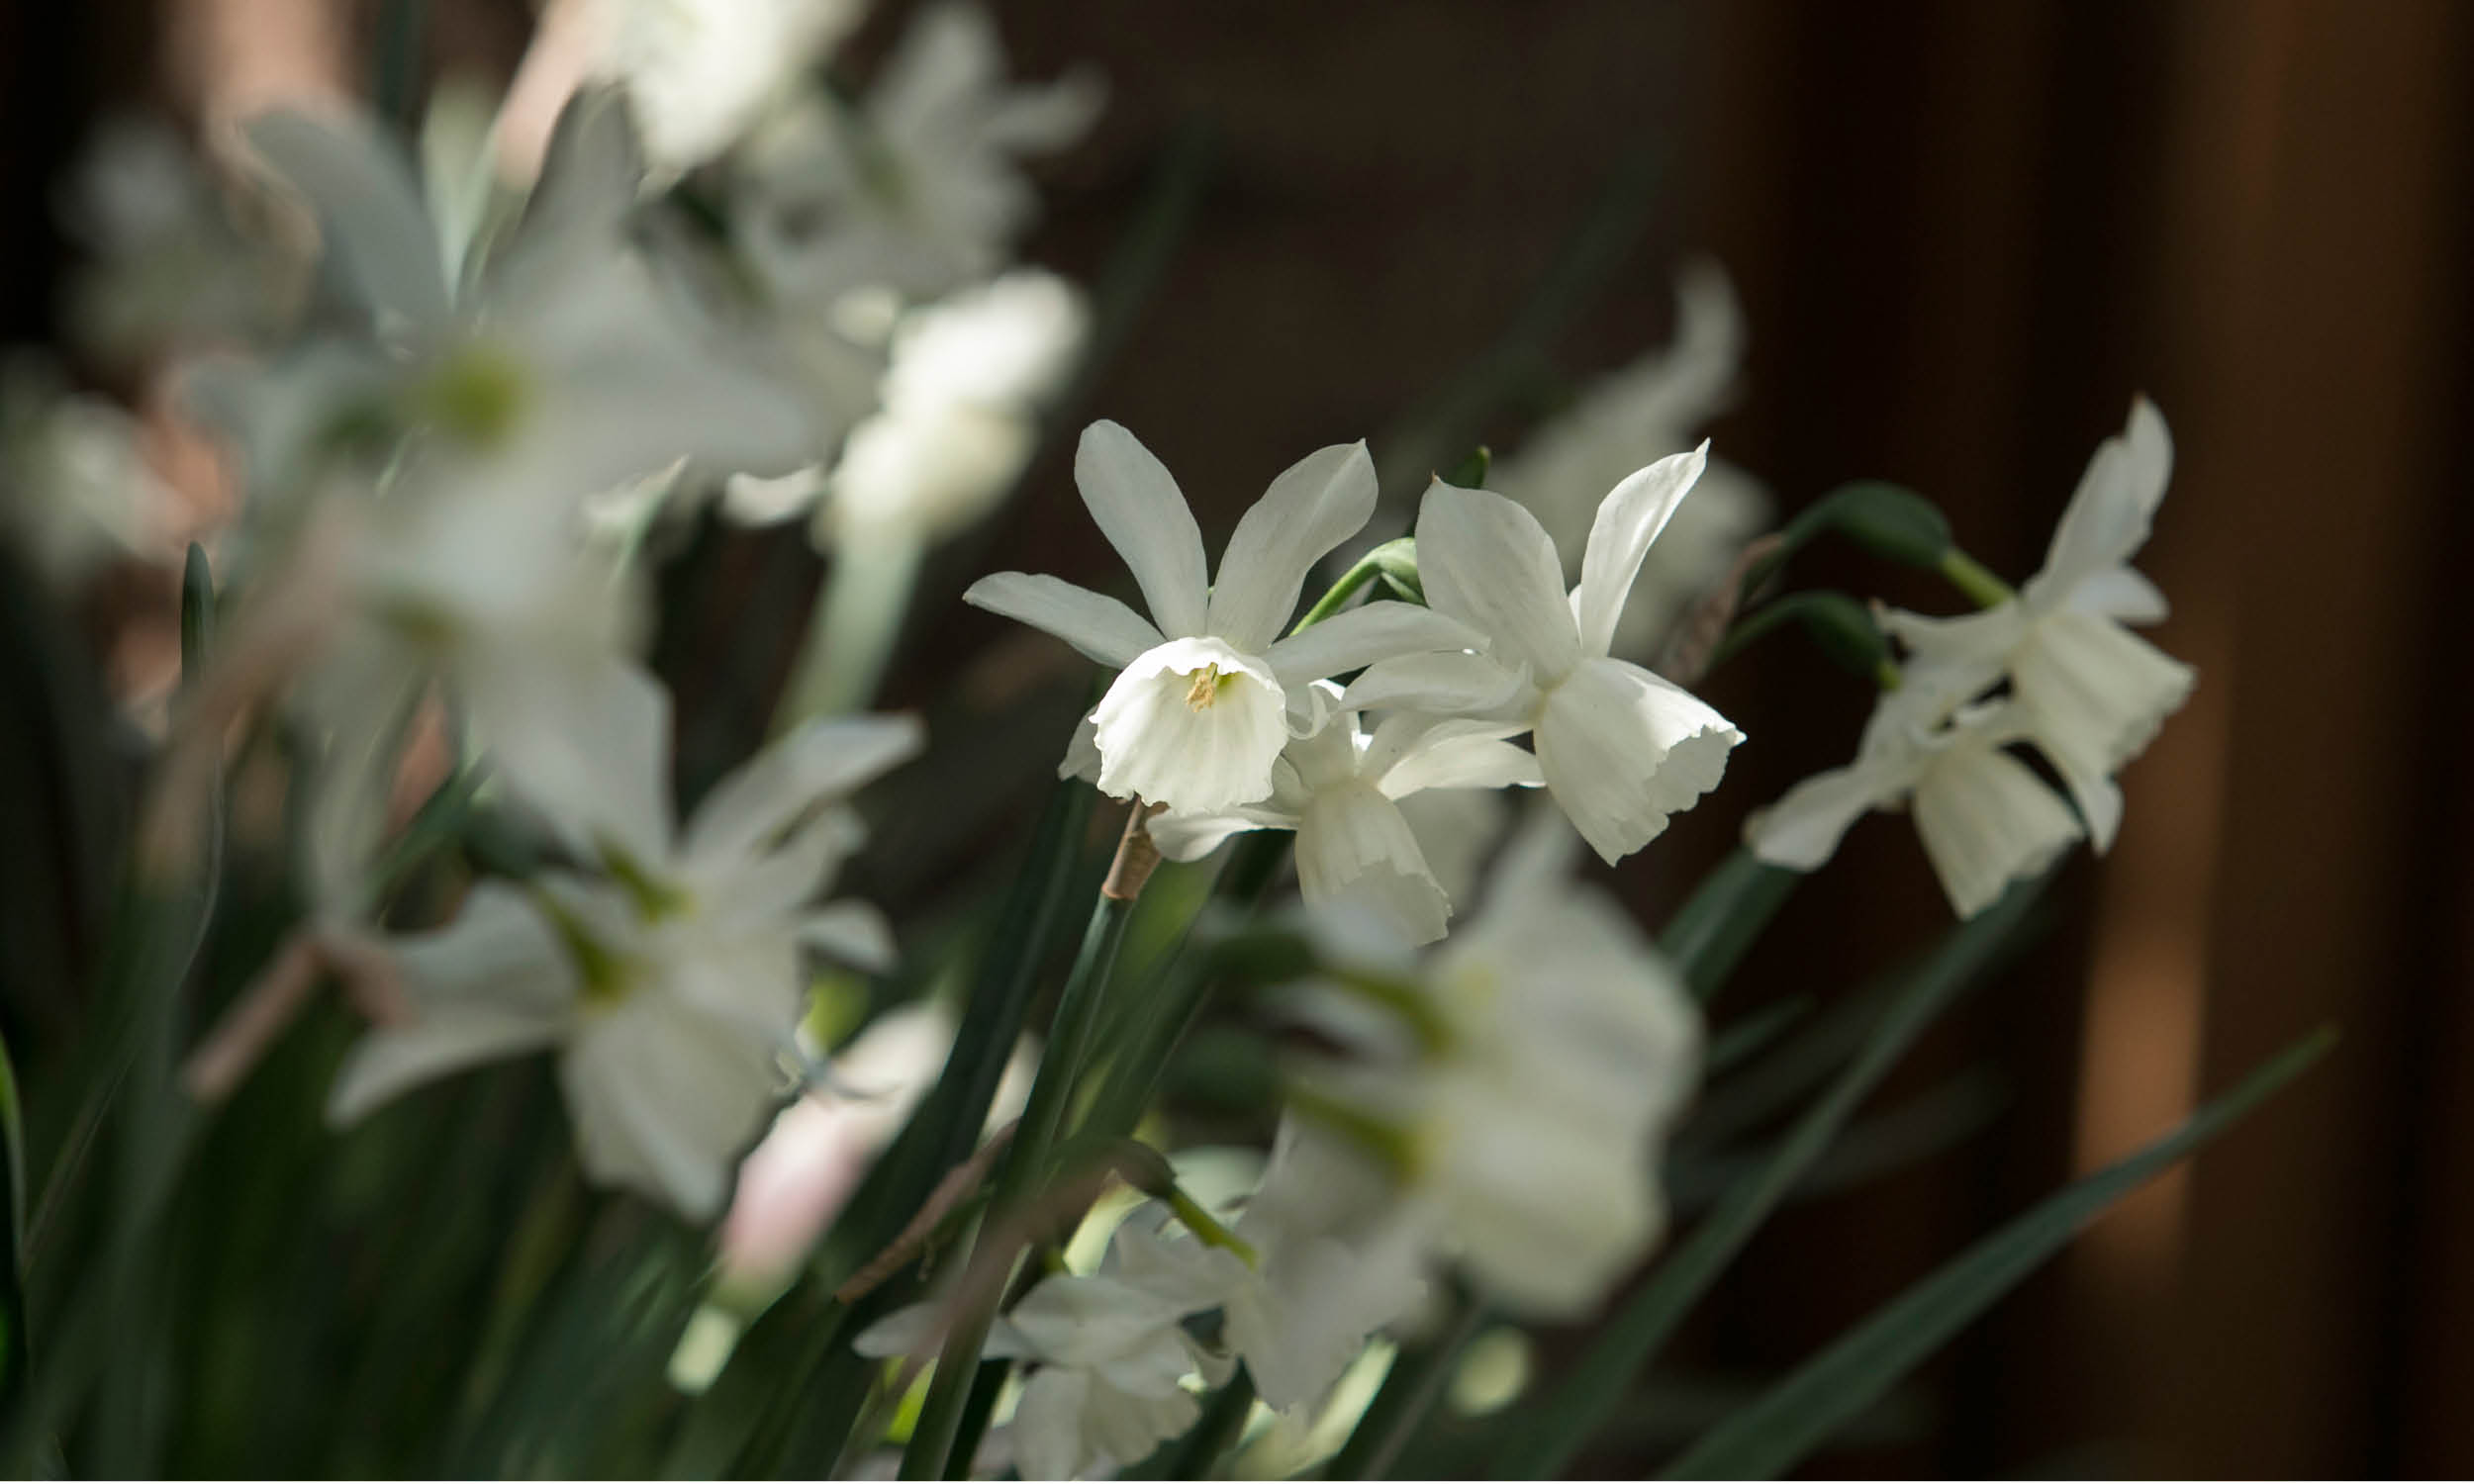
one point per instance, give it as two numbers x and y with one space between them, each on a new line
1964 234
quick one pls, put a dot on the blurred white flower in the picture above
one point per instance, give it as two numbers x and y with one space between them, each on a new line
1622 749
699 72
917 187
1339 787
671 984
1110 1358
2090 694
1518 1084
1326 1261
957 421
562 361
1195 718
168 266
1986 820
75 487
489 591
1645 411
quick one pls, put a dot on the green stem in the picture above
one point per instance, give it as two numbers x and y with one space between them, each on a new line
932 1439
1973 579
1351 582
853 629
1208 1229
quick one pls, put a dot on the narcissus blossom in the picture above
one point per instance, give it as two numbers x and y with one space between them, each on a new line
1109 1355
1644 411
915 187
1339 787
1196 716
699 72
2088 692
563 363
1515 1087
1622 749
1986 819
670 983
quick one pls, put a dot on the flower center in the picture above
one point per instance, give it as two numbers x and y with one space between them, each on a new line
604 975
1206 688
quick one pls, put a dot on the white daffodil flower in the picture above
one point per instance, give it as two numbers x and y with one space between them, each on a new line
2088 692
75 489
562 361
1326 1261
957 421
1195 718
1110 1354
1986 819
1519 1083
1338 788
1622 749
1649 409
917 187
700 72
670 985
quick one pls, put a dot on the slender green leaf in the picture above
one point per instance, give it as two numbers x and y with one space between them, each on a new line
1564 1420
1417 1380
1711 932
1773 1433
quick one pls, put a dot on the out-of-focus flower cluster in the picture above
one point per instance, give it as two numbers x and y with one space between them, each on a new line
459 383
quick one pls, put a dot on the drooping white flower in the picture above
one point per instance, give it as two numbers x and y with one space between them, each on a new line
700 72
915 188
1645 411
1986 820
1622 749
1195 718
1339 789
2088 692
1520 1082
671 983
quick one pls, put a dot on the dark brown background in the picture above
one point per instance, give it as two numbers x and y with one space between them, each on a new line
1965 234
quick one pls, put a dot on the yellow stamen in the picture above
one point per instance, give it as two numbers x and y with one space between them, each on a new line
1206 688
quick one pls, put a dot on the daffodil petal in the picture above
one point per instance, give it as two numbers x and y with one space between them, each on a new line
1628 520
1314 504
1366 636
1488 562
1141 511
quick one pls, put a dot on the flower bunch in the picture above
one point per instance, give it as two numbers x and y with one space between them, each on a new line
709 1092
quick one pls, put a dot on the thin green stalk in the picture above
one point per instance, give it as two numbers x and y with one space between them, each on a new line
1565 1419
1973 579
1723 917
853 629
1166 1015
933 1437
1351 582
